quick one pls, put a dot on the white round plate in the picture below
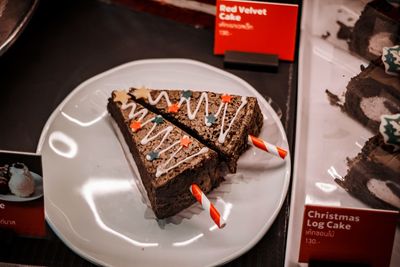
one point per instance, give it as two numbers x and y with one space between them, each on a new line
37 194
94 205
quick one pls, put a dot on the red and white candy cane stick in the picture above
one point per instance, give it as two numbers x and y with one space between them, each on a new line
261 144
207 205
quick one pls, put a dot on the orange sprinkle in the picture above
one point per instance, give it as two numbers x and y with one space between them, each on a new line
185 141
226 98
135 126
173 108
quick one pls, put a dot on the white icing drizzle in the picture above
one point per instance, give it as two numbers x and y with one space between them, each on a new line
192 114
222 134
166 132
132 113
163 168
158 98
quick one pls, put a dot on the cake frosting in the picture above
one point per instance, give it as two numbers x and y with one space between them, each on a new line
378 41
391 60
21 181
377 27
382 191
168 159
374 174
181 137
369 95
219 120
390 130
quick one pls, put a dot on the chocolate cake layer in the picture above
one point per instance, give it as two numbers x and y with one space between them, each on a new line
169 160
374 175
221 122
371 94
377 27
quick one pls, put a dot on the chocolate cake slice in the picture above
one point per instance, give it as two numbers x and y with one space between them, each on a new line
220 121
374 175
371 94
378 26
169 160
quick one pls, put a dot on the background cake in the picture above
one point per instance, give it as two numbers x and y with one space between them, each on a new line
169 159
374 174
220 121
375 91
371 94
378 26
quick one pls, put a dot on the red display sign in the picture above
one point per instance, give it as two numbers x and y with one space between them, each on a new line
21 194
258 27
348 235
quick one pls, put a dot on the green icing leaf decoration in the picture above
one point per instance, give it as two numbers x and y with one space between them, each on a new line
153 155
211 119
390 129
391 59
158 119
187 94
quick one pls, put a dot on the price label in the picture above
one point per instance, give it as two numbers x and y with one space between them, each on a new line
258 27
348 235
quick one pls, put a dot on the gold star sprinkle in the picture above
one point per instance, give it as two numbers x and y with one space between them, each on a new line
121 96
142 92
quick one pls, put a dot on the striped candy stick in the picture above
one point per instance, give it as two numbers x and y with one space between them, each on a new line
261 144
207 205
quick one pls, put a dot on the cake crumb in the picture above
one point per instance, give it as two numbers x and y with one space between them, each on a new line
334 100
344 32
325 35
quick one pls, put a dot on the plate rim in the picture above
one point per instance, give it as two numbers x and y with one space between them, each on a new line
18 30
287 175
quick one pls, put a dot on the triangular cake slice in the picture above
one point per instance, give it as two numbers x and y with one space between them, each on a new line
220 121
169 160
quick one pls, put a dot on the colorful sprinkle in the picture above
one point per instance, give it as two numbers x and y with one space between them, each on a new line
121 96
153 155
226 98
173 108
185 141
211 118
158 119
142 92
135 126
187 94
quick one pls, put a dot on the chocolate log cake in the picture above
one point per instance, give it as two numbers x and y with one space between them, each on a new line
378 26
375 91
220 121
371 94
169 160
374 174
